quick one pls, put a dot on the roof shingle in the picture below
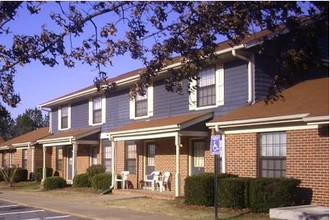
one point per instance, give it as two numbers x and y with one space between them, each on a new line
28 137
311 96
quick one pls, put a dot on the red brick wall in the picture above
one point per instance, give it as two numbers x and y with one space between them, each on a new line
83 158
307 159
241 154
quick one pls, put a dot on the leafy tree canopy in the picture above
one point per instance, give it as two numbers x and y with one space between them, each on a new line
30 120
154 32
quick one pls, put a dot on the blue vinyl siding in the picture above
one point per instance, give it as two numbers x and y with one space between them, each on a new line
236 86
117 110
54 120
265 68
165 103
168 103
79 114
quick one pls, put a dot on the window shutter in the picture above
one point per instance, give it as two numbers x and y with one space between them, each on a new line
90 112
59 121
132 108
69 116
103 109
193 95
220 88
150 94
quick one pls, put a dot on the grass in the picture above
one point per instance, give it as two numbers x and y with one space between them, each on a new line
176 208
172 208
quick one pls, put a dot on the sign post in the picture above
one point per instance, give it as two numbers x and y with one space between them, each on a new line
215 149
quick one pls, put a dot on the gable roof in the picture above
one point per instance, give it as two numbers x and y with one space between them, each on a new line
66 137
161 126
308 101
26 139
222 48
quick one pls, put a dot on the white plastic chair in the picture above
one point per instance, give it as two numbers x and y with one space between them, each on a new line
164 181
151 179
123 179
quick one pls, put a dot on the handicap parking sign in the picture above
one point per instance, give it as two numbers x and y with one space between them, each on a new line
215 145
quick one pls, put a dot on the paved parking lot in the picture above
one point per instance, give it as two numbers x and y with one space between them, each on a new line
12 211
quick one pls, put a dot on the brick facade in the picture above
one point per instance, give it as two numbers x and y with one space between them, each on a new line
307 159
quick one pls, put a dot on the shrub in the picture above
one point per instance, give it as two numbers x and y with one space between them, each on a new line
81 180
49 172
102 181
234 192
199 189
21 175
54 182
95 169
266 193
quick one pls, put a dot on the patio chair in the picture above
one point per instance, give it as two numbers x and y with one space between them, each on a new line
150 180
164 182
123 179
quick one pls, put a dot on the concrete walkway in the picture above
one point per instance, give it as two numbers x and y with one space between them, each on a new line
89 207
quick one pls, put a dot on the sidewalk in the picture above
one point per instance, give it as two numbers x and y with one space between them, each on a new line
86 207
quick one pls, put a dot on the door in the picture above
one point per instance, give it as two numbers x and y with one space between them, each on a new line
198 150
151 151
70 163
94 152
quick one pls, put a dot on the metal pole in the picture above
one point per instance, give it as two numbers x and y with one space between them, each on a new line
216 186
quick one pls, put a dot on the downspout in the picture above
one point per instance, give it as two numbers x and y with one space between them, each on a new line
251 75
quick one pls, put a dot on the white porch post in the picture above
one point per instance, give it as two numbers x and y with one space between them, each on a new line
43 163
113 164
74 159
177 163
33 160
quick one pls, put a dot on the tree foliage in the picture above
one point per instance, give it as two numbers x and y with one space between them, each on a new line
30 120
6 124
155 32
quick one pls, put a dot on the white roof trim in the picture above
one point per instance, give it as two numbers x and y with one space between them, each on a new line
317 120
259 121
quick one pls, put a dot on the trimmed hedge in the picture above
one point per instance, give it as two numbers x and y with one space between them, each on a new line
102 181
266 193
82 180
54 182
21 175
199 189
259 195
234 192
95 169
49 173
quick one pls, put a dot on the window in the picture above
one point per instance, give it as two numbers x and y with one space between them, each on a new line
208 90
142 106
198 154
272 154
59 159
97 111
24 159
151 155
130 164
107 158
64 117
4 159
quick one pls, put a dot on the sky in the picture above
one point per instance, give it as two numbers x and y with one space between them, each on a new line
37 84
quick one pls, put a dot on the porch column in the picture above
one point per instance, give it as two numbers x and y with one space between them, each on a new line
43 163
74 159
177 163
33 161
113 164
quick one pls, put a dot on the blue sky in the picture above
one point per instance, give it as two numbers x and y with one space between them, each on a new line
37 84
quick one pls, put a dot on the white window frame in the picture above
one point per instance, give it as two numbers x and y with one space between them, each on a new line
60 118
219 90
90 111
150 101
